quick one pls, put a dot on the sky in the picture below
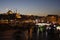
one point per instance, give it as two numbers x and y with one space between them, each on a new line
31 7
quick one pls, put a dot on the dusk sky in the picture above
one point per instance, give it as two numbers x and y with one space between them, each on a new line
34 7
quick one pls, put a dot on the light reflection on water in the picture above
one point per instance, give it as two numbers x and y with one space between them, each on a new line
11 33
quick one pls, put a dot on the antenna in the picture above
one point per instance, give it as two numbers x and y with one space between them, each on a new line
16 11
19 11
0 11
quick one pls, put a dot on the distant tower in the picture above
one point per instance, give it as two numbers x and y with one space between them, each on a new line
16 11
17 15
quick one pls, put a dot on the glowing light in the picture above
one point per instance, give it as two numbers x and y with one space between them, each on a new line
42 24
58 28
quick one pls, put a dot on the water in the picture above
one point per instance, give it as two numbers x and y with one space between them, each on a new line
15 33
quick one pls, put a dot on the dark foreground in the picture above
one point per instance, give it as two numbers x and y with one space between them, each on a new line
22 33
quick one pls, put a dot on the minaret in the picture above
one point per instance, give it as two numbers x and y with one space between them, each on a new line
17 15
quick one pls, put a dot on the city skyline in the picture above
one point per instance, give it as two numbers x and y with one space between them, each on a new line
31 7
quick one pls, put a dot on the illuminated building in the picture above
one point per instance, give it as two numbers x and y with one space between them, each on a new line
52 18
9 17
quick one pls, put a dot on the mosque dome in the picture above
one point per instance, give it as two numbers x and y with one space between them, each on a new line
9 12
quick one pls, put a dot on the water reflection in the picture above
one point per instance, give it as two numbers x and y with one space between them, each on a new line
34 33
